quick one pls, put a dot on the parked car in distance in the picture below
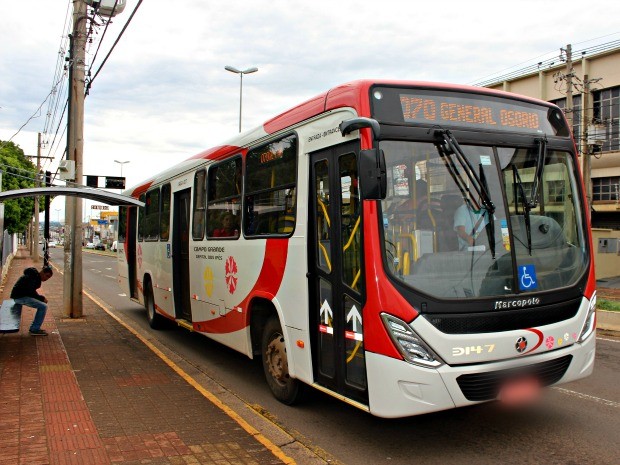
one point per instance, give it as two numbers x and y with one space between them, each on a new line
90 245
51 244
100 246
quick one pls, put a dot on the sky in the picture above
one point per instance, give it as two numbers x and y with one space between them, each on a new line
163 95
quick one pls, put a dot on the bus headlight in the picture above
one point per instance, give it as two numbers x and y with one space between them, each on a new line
588 326
409 344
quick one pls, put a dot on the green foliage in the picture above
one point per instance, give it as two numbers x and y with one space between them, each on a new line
17 173
610 305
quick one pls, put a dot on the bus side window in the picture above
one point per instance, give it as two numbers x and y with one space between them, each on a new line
141 218
270 189
224 199
198 225
151 216
164 225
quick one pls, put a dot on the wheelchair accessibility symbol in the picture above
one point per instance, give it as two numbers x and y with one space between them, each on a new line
527 278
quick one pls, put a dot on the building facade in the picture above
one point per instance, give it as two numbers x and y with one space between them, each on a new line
586 85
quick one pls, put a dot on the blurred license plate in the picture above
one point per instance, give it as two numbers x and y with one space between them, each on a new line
519 391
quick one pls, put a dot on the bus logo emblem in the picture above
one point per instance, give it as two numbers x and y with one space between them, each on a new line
231 274
521 344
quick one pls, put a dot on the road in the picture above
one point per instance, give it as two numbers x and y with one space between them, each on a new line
576 423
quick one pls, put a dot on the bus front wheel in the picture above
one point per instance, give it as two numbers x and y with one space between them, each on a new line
275 364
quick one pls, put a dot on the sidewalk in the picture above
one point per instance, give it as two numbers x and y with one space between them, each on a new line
93 393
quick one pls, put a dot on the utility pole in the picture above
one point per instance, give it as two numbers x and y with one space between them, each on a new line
585 147
75 147
46 227
569 85
35 235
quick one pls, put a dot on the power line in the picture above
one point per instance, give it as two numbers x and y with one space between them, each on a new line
90 82
545 64
104 31
38 110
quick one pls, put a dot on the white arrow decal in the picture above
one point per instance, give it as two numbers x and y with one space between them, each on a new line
355 315
326 309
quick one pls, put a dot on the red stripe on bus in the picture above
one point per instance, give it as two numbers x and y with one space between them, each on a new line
138 191
216 153
267 286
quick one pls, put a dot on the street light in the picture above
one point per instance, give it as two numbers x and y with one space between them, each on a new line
121 163
240 73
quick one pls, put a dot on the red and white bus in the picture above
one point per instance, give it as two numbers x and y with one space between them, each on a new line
406 247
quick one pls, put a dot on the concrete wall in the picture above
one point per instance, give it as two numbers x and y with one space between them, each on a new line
607 264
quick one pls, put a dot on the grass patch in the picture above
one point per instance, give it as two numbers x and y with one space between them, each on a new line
610 305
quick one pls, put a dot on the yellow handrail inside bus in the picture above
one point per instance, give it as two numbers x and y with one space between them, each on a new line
357 224
413 240
322 205
357 276
326 256
357 346
406 265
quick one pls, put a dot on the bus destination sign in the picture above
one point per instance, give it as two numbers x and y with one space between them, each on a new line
467 111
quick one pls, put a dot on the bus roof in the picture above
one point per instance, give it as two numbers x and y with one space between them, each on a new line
352 94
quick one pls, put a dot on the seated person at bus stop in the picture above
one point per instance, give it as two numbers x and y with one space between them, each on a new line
25 293
468 224
228 227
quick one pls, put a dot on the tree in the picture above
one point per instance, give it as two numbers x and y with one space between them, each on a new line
17 173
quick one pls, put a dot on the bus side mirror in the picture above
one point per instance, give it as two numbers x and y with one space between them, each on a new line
372 174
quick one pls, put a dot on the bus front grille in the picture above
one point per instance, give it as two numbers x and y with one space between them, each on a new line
509 320
478 387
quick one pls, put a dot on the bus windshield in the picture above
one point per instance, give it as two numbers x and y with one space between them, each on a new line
499 221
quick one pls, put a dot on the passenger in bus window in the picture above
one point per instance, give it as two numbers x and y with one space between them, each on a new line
228 227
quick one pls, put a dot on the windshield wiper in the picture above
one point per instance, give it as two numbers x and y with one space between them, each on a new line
490 227
540 164
527 206
449 147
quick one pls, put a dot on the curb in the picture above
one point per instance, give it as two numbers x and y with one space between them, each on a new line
607 320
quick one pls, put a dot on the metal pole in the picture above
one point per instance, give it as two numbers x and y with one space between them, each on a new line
46 228
35 249
240 99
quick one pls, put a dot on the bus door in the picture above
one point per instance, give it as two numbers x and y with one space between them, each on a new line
130 251
180 255
335 272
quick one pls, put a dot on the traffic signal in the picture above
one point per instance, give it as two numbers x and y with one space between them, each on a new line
92 181
114 182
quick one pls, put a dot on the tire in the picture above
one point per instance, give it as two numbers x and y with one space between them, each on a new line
155 319
275 364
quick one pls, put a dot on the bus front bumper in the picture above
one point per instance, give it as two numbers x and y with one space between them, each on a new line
400 389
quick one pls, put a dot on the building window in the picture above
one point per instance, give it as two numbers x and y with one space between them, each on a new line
606 189
606 109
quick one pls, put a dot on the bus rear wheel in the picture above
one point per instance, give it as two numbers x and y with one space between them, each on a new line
155 319
275 364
